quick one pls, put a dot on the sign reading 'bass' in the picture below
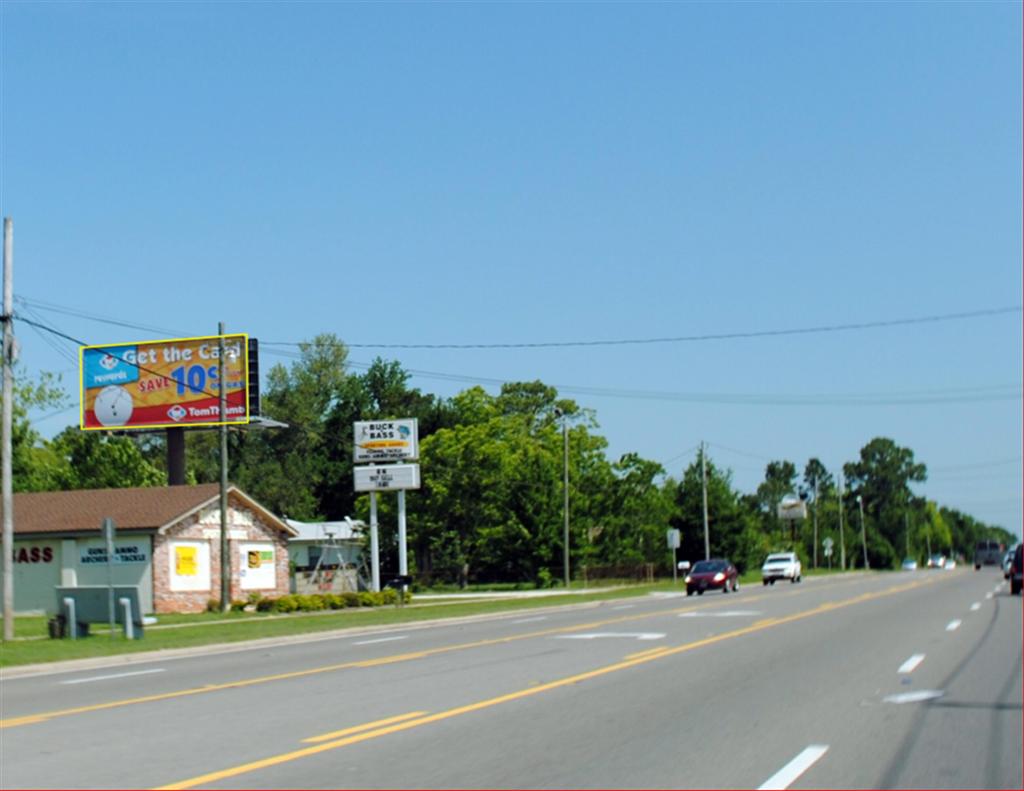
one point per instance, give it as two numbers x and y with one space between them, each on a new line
386 440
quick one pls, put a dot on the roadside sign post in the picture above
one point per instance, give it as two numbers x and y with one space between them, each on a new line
827 543
108 537
672 537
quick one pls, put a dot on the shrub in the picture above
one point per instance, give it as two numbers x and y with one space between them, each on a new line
286 603
213 605
351 599
239 605
266 605
334 601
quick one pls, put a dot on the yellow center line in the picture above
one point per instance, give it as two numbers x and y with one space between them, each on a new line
30 719
636 659
366 726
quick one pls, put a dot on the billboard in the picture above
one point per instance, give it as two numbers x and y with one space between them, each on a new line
160 384
386 440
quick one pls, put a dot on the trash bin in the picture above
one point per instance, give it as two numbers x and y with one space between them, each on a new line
56 627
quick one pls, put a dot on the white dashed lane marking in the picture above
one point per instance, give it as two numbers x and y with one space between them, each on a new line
911 664
952 626
791 771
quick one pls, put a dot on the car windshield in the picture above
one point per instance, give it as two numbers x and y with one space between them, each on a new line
779 559
706 566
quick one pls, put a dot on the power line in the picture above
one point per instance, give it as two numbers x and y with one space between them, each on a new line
699 338
826 328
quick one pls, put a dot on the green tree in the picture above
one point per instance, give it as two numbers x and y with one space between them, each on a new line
882 477
33 465
95 460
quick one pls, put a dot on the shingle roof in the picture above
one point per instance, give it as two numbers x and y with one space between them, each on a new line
147 508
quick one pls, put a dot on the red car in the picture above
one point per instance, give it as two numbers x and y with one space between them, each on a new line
712 574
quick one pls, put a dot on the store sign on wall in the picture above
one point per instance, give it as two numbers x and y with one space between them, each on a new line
155 384
122 554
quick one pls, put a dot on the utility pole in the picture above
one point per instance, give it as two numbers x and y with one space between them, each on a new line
842 535
863 535
704 492
565 493
815 521
225 561
906 532
6 450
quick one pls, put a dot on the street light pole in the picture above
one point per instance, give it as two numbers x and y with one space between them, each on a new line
863 535
842 533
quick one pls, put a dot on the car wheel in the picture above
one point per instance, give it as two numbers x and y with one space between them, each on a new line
765 583
772 582
725 587
689 593
735 584
1015 587
700 593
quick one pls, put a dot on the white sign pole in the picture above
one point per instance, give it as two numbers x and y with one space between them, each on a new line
403 564
374 543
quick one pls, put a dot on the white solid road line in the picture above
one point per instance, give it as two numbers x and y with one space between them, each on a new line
952 626
114 675
720 614
382 640
624 607
912 663
795 768
531 620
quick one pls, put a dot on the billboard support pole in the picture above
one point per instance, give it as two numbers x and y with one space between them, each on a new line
403 562
176 456
7 420
374 543
225 561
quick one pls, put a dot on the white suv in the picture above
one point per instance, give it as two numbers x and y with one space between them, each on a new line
781 566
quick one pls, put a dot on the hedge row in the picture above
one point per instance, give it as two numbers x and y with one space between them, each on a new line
296 602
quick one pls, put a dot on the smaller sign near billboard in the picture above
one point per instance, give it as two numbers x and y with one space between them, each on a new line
157 384
672 536
386 440
391 477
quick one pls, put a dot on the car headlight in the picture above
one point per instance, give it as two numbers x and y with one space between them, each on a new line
688 579
719 577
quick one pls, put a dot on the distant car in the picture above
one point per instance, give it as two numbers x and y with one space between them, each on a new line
781 566
710 575
987 553
1017 570
909 564
936 561
1008 562
949 564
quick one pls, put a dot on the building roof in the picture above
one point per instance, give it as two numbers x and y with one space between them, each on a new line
146 508
347 530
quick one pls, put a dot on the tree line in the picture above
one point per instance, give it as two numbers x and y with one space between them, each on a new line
490 506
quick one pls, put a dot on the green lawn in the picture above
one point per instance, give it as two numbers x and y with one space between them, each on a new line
32 645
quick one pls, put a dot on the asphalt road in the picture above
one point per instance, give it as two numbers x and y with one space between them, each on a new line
898 680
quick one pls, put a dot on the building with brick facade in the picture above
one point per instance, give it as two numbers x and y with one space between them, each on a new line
167 543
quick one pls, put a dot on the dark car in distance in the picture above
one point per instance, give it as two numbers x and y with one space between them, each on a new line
711 575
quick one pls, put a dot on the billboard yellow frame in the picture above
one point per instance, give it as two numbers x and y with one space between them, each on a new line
166 383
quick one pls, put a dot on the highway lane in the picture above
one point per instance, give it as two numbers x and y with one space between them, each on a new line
720 691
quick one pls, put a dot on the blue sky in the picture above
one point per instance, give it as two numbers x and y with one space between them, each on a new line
460 173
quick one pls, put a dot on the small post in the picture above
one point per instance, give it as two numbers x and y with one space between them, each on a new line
129 627
69 605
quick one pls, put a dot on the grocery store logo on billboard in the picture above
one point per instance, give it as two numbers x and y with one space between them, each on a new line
176 412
